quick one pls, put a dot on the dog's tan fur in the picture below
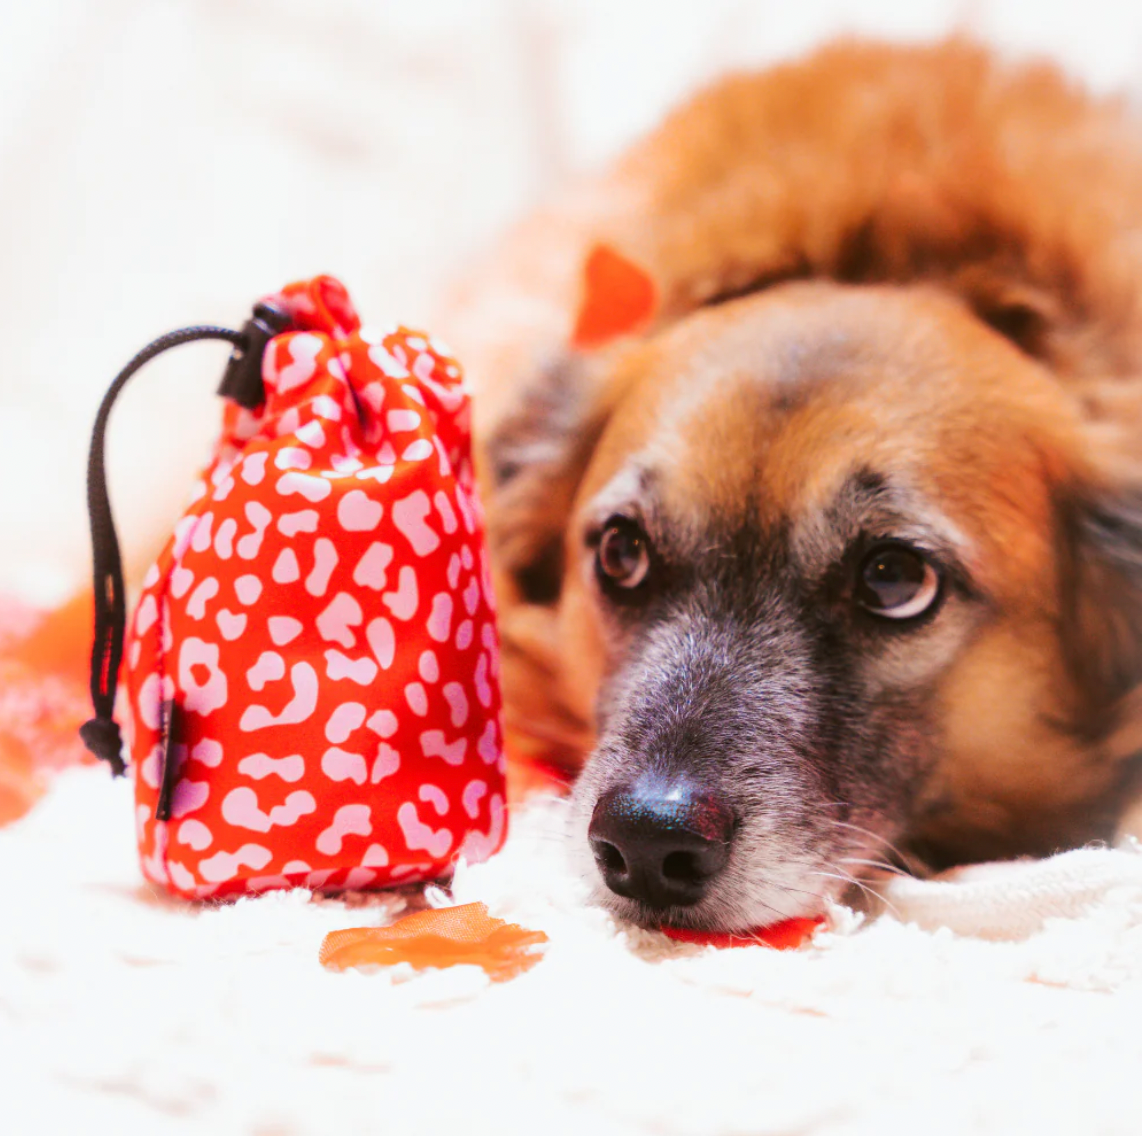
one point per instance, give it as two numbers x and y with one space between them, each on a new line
957 242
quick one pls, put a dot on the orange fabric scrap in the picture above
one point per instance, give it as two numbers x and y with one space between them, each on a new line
451 936
43 698
619 298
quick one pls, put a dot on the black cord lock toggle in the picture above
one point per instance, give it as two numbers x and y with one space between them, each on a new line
242 380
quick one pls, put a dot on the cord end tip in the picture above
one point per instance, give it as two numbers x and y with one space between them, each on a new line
103 738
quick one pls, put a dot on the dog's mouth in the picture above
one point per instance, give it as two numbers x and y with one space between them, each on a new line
745 915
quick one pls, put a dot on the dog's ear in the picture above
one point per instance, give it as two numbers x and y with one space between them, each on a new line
1101 604
538 456
618 298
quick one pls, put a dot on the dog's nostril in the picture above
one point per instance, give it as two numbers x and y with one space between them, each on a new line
609 857
683 868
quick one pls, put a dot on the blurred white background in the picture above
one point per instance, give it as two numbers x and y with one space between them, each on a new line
164 162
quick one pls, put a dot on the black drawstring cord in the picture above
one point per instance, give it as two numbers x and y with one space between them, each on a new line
101 734
241 382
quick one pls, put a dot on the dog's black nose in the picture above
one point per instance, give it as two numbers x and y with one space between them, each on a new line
660 843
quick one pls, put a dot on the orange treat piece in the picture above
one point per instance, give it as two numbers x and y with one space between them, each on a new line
781 936
451 936
618 298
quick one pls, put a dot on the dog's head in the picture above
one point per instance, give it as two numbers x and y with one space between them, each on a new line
825 571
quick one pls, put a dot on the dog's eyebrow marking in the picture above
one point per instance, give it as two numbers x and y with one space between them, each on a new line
632 491
869 504
865 485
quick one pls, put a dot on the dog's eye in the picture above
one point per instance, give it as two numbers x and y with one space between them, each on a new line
623 557
897 582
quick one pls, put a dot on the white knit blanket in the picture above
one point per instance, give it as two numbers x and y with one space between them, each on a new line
1002 999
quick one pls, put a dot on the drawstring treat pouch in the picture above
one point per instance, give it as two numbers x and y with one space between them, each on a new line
312 667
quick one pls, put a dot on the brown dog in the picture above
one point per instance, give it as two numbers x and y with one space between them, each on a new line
833 545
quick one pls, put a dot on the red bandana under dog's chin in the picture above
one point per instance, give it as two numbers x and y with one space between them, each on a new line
789 933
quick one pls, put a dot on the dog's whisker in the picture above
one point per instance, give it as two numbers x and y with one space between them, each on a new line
878 864
781 915
845 877
901 855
